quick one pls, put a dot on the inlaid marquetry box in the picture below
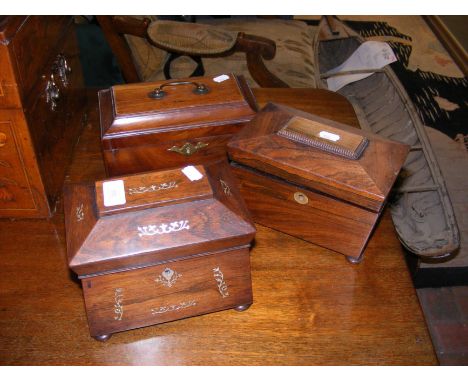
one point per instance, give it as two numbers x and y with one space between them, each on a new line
159 246
314 178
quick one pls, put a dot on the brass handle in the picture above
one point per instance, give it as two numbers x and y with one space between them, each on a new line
188 148
301 198
158 93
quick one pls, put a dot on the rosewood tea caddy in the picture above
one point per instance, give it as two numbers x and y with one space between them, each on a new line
159 246
313 178
159 125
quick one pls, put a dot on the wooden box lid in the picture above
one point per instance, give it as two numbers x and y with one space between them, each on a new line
306 150
132 109
150 218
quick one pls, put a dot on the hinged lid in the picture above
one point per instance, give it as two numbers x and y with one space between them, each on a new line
313 152
162 106
150 218
149 190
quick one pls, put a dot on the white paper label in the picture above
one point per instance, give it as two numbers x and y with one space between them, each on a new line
114 193
329 136
371 55
221 78
192 173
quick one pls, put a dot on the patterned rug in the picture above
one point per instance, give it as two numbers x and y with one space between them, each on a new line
435 84
441 100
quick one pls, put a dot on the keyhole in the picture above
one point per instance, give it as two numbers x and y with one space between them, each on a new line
301 198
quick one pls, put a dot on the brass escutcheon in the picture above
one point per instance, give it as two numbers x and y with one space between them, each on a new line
301 198
188 148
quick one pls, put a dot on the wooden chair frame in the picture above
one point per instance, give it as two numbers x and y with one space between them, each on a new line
256 49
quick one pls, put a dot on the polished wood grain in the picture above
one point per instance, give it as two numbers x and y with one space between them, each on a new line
306 214
310 307
155 189
35 40
140 133
161 155
40 137
21 185
308 192
106 239
365 181
23 58
162 293
133 110
165 220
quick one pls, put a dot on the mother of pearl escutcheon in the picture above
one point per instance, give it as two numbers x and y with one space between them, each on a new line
168 277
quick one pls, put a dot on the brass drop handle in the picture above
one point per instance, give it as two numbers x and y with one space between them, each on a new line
159 93
188 148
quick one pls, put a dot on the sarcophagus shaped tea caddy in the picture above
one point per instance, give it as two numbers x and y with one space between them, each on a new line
159 246
313 178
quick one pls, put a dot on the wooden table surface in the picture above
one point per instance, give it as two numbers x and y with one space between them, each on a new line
311 307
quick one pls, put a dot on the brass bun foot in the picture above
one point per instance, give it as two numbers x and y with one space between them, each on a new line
241 308
355 260
103 337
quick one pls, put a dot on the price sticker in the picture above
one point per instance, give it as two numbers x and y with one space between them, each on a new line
114 193
192 173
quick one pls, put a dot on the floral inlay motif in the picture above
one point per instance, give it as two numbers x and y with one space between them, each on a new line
168 277
150 230
118 307
174 307
79 213
152 188
222 286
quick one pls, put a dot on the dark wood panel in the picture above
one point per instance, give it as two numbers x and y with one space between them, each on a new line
56 131
321 220
141 134
157 157
31 54
365 180
21 183
33 45
9 89
310 307
15 191
143 297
